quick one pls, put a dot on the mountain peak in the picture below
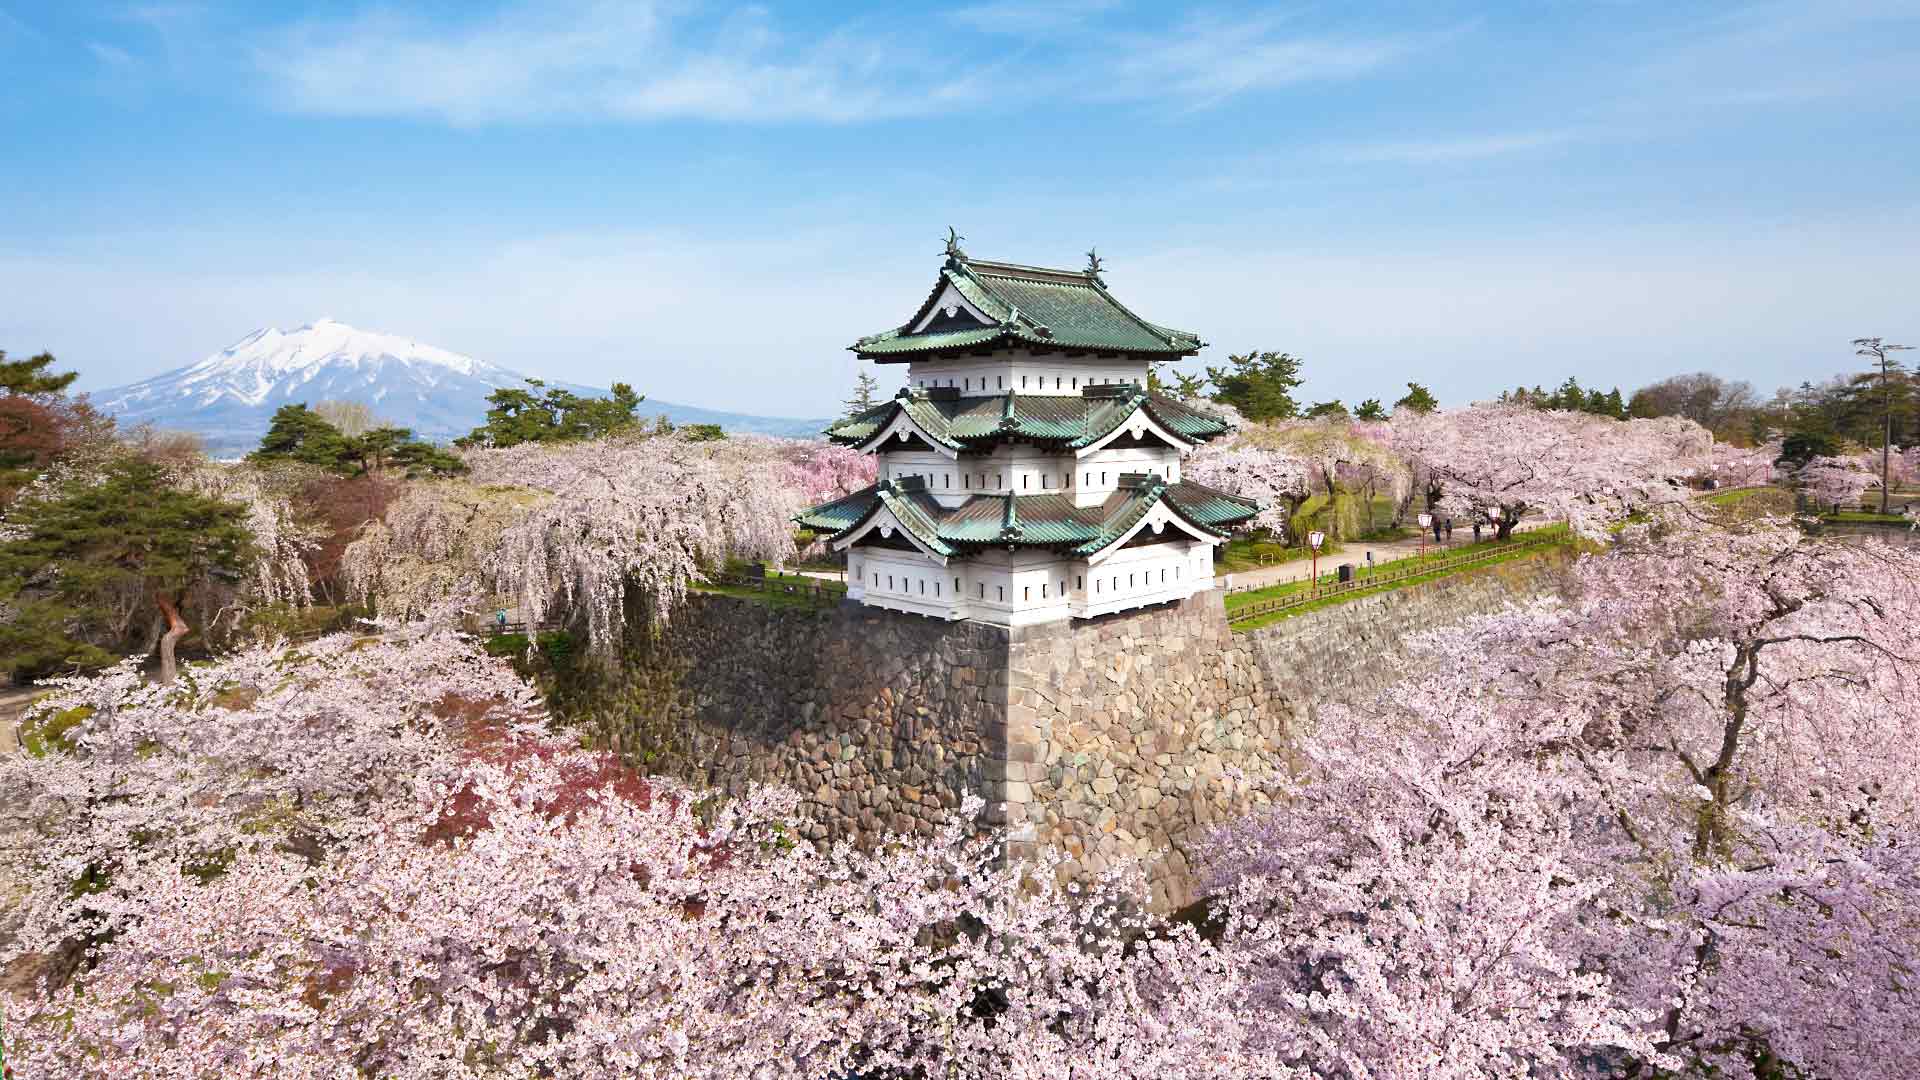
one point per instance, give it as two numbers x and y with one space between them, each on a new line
232 394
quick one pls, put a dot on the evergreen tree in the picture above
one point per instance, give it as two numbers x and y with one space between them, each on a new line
1370 409
83 564
865 394
1419 399
297 433
518 416
1323 409
30 376
1258 384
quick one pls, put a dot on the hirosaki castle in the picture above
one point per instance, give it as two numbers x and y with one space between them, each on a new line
1026 473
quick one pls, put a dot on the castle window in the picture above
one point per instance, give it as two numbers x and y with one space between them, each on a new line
999 382
1026 594
1096 584
983 590
1023 382
1103 479
1001 591
1076 382
998 481
923 586
1129 581
936 588
1089 479
1063 586
956 584
1176 573
1163 575
1023 482
1056 382
1043 592
1079 582
876 579
889 581
946 479
966 480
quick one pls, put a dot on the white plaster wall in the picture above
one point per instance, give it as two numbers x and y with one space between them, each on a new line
1024 470
1025 372
1137 576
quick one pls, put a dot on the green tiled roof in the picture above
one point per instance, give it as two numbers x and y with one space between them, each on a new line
1035 521
1030 305
964 423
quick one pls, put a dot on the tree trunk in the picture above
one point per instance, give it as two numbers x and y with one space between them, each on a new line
176 629
1503 529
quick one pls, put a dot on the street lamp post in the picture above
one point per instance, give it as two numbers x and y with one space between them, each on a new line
1426 522
1314 540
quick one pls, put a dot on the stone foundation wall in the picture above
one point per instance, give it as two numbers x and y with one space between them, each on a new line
1107 739
882 721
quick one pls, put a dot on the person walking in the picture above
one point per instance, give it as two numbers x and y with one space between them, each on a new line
1449 530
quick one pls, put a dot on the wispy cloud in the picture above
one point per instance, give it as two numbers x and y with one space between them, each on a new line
1444 150
110 55
597 59
1203 62
586 59
1029 16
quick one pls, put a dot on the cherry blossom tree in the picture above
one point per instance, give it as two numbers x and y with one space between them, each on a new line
1588 470
584 532
365 858
1276 479
822 471
1677 817
1835 481
1744 466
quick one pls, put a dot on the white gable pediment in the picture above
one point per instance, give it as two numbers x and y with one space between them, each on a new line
1140 425
898 433
884 521
1159 519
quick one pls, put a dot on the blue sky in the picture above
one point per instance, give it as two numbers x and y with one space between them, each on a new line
711 201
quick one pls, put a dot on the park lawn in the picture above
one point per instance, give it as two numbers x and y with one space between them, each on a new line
1244 553
1735 496
1556 534
773 597
1331 599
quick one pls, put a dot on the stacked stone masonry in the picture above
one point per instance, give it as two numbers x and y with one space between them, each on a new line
1107 739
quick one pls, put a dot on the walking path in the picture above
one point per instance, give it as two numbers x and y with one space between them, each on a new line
1384 552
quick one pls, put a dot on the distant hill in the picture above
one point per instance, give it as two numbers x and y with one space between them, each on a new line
229 397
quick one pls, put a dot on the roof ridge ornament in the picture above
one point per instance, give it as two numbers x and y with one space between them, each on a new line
1094 267
954 254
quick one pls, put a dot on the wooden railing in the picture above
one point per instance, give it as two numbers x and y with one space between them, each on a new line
1321 590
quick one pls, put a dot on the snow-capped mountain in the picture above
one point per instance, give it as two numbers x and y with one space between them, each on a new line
230 396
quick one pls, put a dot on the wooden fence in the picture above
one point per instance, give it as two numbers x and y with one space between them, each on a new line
1322 590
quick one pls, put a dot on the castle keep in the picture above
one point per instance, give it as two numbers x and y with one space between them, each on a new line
1027 474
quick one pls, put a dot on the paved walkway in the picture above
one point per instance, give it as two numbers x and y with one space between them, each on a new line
1384 552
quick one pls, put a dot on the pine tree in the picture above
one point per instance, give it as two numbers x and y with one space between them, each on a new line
30 376
1370 409
84 562
864 394
1259 384
1419 399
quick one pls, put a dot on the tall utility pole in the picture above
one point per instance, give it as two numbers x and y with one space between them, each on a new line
1876 349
